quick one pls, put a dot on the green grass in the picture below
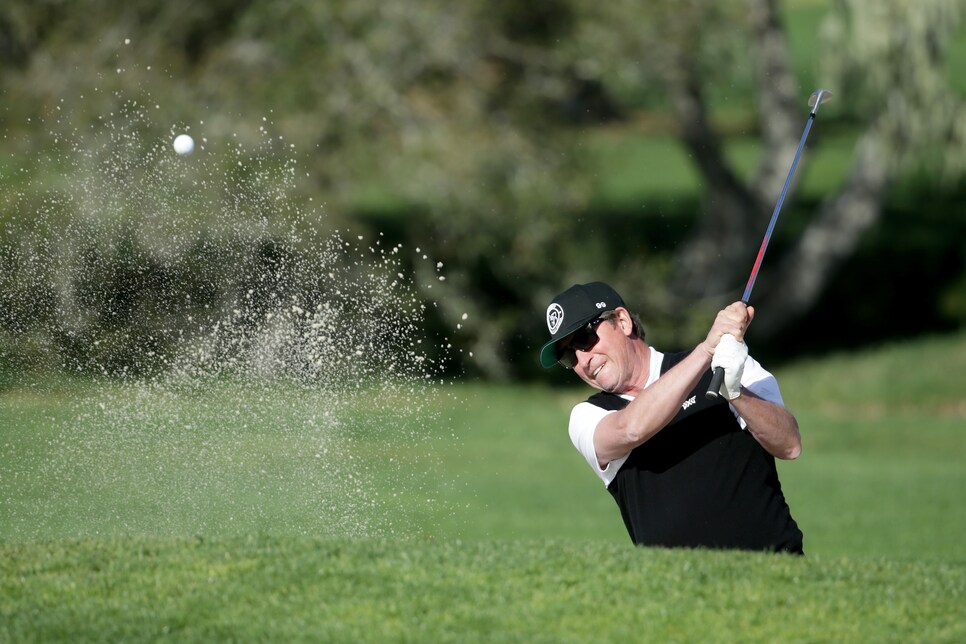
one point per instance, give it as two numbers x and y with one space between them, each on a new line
633 167
882 436
884 447
234 458
204 513
526 591
630 167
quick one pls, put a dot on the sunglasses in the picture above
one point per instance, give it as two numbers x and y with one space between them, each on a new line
583 339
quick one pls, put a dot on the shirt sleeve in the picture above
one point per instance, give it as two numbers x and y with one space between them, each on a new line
583 423
760 382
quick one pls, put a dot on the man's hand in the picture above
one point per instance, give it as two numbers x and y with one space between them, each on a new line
732 320
730 355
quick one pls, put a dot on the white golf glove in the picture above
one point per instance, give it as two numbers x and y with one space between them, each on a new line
730 355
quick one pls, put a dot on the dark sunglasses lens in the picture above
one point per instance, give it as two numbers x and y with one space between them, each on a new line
567 358
585 338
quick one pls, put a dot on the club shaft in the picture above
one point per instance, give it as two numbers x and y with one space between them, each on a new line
774 215
818 96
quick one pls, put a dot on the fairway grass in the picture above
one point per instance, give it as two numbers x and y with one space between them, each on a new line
884 433
298 589
129 514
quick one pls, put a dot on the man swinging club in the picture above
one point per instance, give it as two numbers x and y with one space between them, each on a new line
685 470
687 453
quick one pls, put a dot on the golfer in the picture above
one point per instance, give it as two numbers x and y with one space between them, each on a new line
685 471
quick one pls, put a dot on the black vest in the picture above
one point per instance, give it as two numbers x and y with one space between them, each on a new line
701 481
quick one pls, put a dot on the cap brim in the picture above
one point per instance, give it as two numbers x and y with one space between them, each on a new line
548 354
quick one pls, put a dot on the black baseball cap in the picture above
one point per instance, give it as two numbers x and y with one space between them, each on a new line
571 310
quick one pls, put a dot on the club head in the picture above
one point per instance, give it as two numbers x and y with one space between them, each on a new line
818 97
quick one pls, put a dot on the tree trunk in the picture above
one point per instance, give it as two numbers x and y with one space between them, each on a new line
780 101
706 264
827 241
714 263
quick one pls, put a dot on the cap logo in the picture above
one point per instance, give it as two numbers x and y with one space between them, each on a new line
555 317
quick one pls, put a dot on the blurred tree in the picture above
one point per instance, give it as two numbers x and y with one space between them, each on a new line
885 62
459 118
451 109
455 109
888 59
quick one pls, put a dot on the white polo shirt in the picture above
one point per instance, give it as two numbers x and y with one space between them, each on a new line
584 417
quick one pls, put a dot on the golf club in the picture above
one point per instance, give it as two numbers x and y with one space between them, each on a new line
818 97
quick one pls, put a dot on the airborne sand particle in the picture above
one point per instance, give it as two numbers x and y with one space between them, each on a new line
256 372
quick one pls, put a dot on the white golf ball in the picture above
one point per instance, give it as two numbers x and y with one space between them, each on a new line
184 144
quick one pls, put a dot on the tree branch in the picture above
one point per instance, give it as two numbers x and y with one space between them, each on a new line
780 103
831 238
707 264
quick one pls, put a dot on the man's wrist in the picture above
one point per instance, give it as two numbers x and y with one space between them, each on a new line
708 351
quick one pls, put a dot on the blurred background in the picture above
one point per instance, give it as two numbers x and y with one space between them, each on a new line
522 146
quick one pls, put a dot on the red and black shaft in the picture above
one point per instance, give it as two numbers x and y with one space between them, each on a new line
814 101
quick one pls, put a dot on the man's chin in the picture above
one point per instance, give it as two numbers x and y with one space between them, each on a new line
603 384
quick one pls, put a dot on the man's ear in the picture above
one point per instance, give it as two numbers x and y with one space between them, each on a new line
624 321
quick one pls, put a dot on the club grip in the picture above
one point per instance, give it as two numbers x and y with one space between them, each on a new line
714 389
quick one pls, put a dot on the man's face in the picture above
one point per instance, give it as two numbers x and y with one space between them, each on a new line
609 365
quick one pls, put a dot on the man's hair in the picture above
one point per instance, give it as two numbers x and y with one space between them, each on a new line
635 319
